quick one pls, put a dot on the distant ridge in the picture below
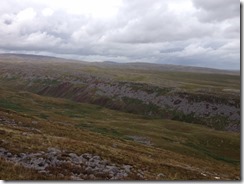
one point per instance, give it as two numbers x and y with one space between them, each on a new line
33 57
110 62
27 55
113 64
166 67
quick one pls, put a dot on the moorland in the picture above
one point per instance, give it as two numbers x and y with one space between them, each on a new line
68 119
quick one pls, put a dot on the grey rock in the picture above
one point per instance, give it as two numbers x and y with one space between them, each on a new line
127 167
43 172
89 170
9 154
23 155
86 156
92 164
103 162
75 158
2 150
53 150
140 175
125 175
73 155
113 169
96 157
34 122
160 175
76 178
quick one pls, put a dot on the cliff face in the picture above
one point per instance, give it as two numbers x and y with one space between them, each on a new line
209 110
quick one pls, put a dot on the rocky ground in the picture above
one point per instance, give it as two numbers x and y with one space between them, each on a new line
64 164
79 167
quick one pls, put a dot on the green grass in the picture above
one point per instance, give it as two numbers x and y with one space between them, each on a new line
167 134
12 106
186 80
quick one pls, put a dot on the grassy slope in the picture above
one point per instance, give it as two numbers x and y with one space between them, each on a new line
187 80
89 128
180 150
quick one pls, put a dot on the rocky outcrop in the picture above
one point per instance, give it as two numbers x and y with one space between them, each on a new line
140 139
212 111
78 167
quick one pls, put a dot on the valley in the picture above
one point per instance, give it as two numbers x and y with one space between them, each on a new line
103 121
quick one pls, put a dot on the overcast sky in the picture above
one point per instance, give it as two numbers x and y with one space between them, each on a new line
186 32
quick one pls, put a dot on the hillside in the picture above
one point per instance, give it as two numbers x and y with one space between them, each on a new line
117 121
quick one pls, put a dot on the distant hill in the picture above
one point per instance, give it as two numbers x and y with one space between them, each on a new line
113 64
166 67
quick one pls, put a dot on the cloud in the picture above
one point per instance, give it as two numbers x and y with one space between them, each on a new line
217 10
47 12
27 14
189 32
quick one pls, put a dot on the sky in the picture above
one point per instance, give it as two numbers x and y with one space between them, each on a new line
183 32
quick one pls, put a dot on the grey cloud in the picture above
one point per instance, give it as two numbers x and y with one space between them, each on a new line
8 21
172 50
142 30
217 10
147 24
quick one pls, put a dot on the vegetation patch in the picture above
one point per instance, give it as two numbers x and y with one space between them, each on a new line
12 106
